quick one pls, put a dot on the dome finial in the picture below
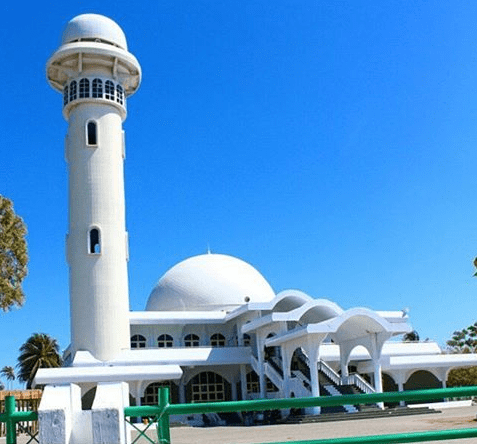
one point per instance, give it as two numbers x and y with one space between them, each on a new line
208 249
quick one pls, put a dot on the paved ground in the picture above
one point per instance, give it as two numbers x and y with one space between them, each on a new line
448 419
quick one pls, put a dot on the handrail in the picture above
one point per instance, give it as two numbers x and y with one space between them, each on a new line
254 364
273 375
360 382
276 364
329 372
305 382
164 410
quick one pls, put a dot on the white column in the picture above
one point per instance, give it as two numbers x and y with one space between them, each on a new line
378 381
315 384
234 389
243 381
260 360
182 392
401 389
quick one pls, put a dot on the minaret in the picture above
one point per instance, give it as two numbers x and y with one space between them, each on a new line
95 73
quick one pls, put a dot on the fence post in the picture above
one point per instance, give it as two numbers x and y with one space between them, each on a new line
163 430
10 423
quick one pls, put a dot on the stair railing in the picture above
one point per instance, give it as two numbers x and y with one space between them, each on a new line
360 382
329 373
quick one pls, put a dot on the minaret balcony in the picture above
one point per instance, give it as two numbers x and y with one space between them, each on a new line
93 89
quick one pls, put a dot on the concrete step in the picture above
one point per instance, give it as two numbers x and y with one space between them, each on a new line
366 414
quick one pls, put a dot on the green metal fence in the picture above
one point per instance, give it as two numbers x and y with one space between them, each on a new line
163 410
11 417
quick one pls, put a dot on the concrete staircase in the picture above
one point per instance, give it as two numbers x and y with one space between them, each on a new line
333 391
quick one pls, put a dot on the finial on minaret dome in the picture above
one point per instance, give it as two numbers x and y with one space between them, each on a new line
95 73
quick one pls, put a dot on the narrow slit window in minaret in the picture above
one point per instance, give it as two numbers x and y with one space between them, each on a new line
94 241
92 133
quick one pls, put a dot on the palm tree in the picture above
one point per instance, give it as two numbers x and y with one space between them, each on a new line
412 336
39 351
9 373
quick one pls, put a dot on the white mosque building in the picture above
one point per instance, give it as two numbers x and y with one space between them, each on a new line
213 328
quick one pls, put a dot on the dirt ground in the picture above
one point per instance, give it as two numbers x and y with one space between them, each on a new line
454 418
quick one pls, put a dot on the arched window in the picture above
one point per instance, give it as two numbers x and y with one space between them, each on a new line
150 394
208 386
165 341
65 95
119 94
94 241
138 341
97 88
217 340
83 88
191 340
91 133
109 90
73 90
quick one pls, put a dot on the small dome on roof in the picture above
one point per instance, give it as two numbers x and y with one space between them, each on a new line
209 282
94 26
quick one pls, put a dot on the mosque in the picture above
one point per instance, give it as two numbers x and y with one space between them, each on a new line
213 328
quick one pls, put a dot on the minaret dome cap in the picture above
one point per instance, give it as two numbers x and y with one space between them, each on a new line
87 27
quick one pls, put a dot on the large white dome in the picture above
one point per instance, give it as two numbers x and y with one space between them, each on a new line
209 282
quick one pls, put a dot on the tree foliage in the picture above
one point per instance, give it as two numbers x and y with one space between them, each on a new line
412 336
462 376
464 341
39 351
13 256
9 373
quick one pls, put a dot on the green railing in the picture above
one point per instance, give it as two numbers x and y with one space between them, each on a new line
163 410
11 417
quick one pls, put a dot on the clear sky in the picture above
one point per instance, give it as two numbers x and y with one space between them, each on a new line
331 144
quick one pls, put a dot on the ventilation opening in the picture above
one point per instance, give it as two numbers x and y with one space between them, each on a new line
94 241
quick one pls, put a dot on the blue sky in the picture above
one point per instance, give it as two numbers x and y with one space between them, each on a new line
331 144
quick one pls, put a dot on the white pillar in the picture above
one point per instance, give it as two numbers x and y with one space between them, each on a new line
261 363
182 392
243 381
107 414
234 389
378 381
59 412
315 384
401 389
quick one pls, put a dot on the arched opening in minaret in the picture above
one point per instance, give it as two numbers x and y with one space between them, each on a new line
109 90
73 92
83 88
97 88
119 94
91 133
65 95
94 241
